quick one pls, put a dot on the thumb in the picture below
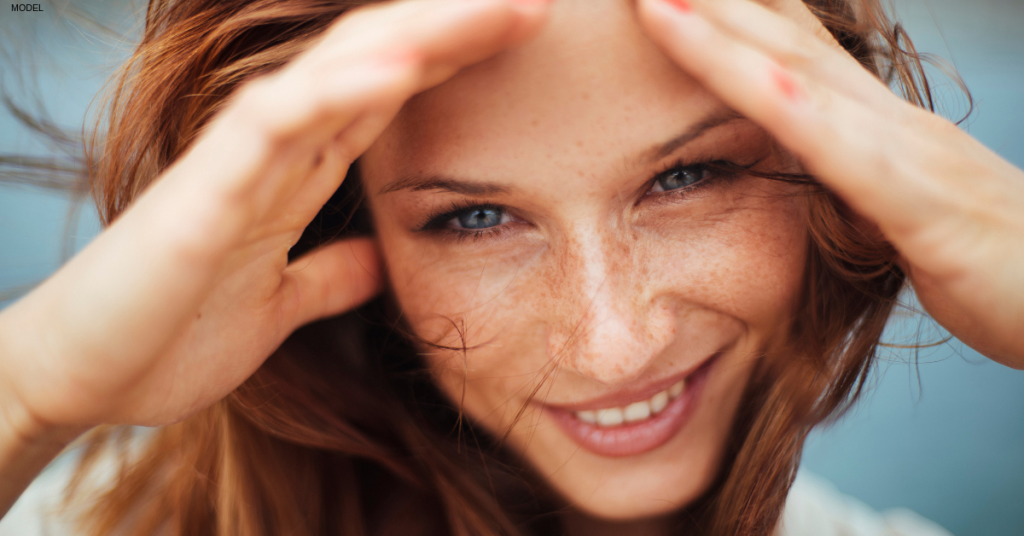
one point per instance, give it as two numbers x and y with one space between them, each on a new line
331 280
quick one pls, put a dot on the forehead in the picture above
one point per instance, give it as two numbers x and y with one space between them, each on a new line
589 90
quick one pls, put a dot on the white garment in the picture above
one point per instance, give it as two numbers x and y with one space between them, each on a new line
814 508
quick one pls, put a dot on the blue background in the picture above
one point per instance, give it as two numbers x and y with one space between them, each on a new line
941 432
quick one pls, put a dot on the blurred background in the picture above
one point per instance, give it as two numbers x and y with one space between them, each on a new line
941 431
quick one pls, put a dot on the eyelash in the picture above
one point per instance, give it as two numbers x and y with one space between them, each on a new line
717 171
438 223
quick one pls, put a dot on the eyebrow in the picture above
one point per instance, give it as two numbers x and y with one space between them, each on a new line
417 184
478 188
695 131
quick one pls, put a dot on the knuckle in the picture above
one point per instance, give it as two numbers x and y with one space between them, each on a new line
805 50
261 112
250 108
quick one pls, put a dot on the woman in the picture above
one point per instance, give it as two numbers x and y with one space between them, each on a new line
599 237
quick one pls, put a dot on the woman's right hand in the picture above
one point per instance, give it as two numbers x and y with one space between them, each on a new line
190 290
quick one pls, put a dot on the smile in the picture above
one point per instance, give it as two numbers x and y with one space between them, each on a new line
635 412
629 424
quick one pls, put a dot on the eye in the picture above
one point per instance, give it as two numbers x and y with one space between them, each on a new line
473 221
481 217
679 177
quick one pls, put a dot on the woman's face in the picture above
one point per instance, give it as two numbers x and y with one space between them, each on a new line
548 210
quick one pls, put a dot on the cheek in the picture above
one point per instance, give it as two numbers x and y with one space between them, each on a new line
462 294
748 264
742 257
484 303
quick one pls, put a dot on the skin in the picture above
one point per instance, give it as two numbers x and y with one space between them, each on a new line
598 284
208 241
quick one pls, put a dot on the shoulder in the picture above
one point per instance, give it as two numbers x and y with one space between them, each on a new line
816 508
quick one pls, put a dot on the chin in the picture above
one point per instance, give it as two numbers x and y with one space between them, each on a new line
642 494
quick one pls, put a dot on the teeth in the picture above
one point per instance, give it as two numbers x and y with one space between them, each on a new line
635 412
659 401
609 417
638 411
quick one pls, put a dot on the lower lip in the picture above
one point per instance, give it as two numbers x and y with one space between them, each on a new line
637 438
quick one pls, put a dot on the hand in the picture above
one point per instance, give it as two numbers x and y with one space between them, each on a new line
953 209
189 291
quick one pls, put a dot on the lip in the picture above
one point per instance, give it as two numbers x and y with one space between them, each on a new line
637 438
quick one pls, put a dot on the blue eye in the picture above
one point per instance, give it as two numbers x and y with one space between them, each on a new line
679 177
480 218
473 220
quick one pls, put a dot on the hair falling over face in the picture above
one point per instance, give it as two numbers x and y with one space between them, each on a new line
342 430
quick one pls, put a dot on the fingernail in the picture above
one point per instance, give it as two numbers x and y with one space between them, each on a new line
786 84
680 5
399 56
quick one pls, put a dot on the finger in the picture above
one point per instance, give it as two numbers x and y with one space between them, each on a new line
409 45
484 28
849 146
277 128
788 32
330 280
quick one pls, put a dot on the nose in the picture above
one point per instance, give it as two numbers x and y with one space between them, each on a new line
609 323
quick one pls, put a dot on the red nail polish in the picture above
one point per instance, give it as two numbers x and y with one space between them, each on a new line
786 84
532 3
400 56
681 5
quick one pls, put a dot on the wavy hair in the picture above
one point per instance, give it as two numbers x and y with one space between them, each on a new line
342 431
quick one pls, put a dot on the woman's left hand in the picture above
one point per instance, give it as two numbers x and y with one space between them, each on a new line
952 208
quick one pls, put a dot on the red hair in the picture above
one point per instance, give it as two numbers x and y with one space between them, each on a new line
341 431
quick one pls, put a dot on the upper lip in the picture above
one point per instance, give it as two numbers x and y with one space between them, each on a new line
629 395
